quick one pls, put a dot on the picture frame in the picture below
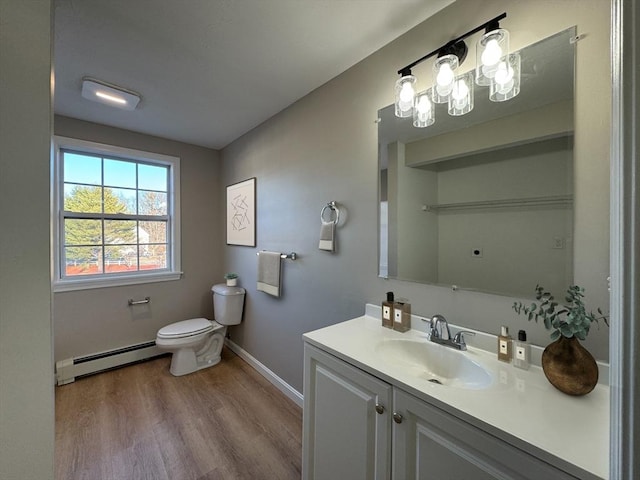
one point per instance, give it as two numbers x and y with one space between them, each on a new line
241 213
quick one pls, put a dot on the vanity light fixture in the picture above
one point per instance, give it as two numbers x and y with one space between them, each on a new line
109 94
495 67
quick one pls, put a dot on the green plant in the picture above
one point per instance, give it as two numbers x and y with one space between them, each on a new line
568 320
230 276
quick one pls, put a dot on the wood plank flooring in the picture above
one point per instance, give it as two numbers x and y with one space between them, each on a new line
140 422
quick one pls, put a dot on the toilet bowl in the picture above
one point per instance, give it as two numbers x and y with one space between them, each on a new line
197 343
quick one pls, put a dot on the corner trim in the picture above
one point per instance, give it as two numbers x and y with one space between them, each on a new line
280 384
624 343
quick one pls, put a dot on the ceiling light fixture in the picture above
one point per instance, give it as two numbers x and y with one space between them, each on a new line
109 94
495 67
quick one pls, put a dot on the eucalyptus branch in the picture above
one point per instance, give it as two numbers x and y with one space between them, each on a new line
569 319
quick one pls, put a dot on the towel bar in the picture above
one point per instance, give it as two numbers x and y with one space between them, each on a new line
291 256
131 301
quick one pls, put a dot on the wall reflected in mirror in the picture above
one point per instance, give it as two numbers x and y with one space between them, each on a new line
485 201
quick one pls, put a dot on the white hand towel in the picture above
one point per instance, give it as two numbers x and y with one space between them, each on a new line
269 273
327 237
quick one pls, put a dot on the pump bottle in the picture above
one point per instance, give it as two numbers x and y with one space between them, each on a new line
387 311
521 351
504 345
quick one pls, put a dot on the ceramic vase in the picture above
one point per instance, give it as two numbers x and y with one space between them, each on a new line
569 366
232 282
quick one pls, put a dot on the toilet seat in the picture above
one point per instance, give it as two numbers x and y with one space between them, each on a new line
187 328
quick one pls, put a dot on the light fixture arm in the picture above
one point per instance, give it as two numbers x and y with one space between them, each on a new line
455 45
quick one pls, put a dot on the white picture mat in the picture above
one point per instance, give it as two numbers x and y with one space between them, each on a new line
241 213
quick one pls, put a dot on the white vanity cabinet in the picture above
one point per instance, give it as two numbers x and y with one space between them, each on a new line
356 426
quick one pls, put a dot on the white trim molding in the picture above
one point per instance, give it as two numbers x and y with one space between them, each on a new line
624 342
63 283
280 384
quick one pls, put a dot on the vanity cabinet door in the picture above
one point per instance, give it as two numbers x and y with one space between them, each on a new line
430 444
346 421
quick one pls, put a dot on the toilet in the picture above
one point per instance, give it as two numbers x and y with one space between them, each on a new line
197 343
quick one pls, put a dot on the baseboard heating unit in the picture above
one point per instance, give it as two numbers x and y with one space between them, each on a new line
71 368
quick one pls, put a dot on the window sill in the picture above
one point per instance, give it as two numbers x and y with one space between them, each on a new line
68 285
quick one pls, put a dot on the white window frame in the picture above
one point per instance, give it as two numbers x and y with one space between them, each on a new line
173 271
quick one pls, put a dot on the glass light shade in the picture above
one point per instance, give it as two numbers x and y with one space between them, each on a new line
490 50
423 109
405 94
444 73
461 98
506 82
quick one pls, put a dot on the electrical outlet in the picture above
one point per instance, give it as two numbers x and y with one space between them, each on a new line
476 252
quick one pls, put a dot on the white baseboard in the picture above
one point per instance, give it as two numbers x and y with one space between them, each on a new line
280 384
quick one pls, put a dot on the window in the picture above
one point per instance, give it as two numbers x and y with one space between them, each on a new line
117 219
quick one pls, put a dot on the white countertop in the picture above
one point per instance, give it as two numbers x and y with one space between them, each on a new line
521 403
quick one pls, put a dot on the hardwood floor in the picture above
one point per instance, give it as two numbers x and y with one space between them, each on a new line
140 422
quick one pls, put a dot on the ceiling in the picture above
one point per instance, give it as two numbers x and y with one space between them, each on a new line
209 71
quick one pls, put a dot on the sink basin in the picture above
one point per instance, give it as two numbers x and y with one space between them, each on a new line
435 363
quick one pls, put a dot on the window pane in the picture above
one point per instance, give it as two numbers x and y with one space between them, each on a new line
119 200
152 203
153 257
83 260
82 169
120 232
152 177
78 198
153 232
118 173
115 216
120 258
82 232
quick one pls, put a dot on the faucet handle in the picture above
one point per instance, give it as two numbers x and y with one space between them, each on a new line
459 337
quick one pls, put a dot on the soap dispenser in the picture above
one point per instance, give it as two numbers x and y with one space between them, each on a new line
387 311
402 315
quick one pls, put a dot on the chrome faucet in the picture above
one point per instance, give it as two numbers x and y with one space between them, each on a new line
439 333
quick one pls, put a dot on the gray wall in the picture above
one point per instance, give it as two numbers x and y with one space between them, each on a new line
323 148
517 244
26 369
416 231
90 321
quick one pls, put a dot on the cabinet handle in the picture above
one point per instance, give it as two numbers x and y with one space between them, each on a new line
397 417
379 408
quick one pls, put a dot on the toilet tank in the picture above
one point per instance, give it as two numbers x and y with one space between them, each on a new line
228 303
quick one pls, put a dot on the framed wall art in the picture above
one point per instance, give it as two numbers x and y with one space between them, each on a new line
241 213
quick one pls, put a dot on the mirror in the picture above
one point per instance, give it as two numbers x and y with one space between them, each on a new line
485 201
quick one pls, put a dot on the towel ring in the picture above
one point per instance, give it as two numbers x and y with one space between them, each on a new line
333 206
